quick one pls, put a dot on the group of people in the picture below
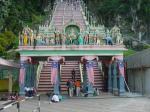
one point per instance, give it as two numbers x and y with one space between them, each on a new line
73 85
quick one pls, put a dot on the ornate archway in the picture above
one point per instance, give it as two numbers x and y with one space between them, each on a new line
71 30
72 27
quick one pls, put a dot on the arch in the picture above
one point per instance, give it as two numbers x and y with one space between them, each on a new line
72 29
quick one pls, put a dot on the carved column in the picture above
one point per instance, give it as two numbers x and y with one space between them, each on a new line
110 78
90 76
115 87
23 62
55 80
89 72
121 73
55 65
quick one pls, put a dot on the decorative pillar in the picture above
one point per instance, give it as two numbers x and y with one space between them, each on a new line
115 87
89 73
121 73
55 77
23 61
110 78
55 80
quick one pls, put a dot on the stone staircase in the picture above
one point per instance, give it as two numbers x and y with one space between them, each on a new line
66 73
64 13
98 77
45 85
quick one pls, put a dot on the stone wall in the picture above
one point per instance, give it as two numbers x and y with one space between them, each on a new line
138 72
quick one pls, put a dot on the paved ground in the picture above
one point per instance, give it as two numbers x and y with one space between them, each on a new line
101 104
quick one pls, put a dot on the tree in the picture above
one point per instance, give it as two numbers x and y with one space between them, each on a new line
8 40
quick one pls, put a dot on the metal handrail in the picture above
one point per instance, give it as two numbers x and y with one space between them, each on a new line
81 73
83 12
39 69
100 68
54 10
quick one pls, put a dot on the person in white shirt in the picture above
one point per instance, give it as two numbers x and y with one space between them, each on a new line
55 98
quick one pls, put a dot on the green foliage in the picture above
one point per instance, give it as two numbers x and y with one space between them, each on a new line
129 52
107 10
8 40
14 15
15 86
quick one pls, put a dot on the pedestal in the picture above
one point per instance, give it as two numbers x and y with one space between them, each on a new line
121 85
56 89
90 89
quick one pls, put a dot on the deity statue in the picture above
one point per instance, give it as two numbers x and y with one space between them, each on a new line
72 34
80 39
63 39
20 39
114 32
86 39
57 38
25 39
107 32
119 39
31 37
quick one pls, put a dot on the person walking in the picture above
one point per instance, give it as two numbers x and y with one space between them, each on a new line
73 75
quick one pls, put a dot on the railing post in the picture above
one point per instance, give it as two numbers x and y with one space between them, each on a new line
81 74
39 103
18 106
38 73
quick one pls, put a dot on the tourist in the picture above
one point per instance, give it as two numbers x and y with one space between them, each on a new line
70 86
77 85
13 96
29 91
68 83
55 98
73 74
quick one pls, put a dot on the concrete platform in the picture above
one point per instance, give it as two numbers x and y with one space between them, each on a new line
103 103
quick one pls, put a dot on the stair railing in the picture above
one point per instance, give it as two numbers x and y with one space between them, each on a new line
84 11
100 67
64 14
60 69
54 10
81 72
72 11
39 69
